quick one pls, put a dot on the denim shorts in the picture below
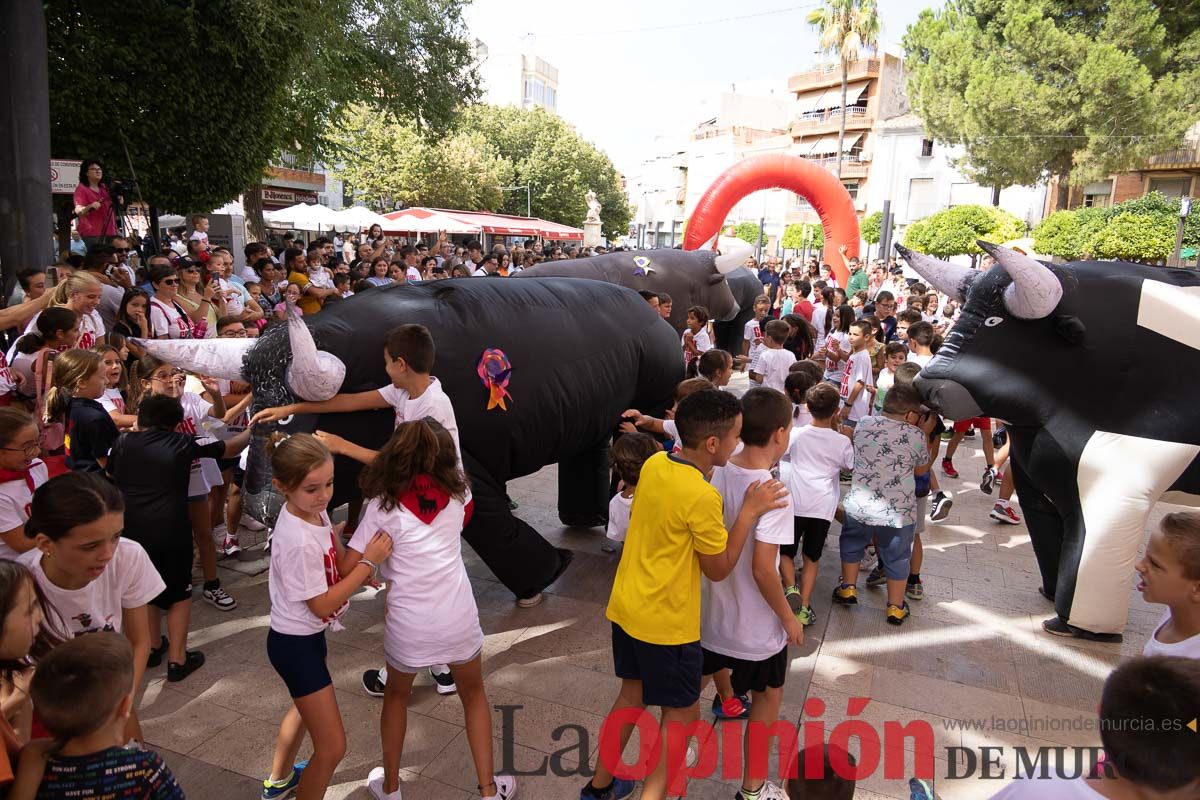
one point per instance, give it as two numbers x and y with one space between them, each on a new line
894 545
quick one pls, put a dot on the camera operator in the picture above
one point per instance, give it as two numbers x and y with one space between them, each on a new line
95 219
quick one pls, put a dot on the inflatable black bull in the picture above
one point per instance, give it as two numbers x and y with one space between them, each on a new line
581 352
691 277
1093 365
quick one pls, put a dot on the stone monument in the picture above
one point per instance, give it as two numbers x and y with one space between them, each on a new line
591 225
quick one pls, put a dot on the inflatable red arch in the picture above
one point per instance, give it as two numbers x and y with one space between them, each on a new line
814 183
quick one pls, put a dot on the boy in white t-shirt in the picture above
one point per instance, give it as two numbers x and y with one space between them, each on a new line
920 337
745 622
857 375
818 453
774 361
413 394
1170 574
1151 752
894 354
753 336
629 452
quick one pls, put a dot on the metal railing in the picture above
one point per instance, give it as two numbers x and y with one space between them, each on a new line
1183 155
832 114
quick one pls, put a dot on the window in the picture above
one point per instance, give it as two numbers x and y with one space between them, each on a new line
1097 195
852 188
551 98
535 90
1171 187
926 148
922 200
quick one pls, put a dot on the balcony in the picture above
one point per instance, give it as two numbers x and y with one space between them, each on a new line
1183 158
857 118
830 74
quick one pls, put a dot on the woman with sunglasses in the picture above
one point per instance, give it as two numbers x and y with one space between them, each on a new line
167 318
200 298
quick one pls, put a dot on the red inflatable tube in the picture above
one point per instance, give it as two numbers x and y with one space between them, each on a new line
814 183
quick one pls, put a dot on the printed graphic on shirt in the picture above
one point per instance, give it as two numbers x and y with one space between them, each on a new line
425 498
333 576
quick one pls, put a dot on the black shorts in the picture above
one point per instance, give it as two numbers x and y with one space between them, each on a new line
811 532
171 554
300 661
670 673
749 676
226 464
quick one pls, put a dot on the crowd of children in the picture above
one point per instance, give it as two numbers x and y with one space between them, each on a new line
118 472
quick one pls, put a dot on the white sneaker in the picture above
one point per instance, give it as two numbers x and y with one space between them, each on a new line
506 786
220 599
250 523
375 786
768 791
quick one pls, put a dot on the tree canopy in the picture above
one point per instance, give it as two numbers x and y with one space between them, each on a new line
385 160
793 236
1142 229
1078 88
211 93
748 232
871 227
953 232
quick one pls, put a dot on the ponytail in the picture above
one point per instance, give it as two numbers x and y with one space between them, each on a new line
71 367
50 322
420 447
75 283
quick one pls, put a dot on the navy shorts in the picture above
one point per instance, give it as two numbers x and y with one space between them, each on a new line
749 676
670 673
300 661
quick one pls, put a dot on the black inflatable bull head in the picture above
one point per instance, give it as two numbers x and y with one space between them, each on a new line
1092 365
691 277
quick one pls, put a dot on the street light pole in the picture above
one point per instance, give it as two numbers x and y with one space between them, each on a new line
1185 207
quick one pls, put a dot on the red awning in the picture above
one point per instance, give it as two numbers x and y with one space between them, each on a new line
497 224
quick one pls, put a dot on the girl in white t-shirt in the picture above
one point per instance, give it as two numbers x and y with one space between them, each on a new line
836 350
115 388
420 497
57 330
158 377
308 594
167 318
94 579
21 472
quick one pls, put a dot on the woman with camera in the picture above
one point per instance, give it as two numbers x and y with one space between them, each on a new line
94 218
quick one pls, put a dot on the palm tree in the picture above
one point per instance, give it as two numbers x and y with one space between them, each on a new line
846 27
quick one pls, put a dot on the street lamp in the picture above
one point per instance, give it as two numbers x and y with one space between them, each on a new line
528 207
1185 208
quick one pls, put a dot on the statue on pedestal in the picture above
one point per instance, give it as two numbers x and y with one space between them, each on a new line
593 213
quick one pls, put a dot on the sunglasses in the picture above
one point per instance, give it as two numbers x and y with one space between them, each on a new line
170 281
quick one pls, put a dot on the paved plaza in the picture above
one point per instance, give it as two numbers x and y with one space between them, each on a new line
972 650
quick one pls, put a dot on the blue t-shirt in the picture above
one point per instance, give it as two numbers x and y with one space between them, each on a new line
113 774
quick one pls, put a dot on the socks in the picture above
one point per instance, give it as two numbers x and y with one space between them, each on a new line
914 577
282 781
210 585
750 795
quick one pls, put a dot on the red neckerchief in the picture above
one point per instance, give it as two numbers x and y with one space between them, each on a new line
7 475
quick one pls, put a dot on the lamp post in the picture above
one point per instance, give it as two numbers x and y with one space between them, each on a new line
1185 207
528 206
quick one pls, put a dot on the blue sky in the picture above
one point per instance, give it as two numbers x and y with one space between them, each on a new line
632 71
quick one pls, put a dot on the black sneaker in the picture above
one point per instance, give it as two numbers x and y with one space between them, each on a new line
192 661
988 481
1055 626
970 434
157 654
371 683
940 508
442 679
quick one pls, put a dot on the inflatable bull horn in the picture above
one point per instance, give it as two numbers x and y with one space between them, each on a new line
951 280
314 374
219 358
1035 290
733 254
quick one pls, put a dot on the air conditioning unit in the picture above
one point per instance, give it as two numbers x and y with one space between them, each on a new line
323 198
860 205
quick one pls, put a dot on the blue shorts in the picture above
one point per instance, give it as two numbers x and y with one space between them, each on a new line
300 661
670 673
894 545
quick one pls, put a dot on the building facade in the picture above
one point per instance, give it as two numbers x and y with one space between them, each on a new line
513 78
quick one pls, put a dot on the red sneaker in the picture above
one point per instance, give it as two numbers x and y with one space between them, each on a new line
948 468
1004 512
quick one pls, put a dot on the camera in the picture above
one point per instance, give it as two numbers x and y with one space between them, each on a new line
121 190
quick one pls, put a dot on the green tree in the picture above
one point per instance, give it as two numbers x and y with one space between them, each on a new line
558 165
385 162
1030 86
1058 235
211 93
1135 237
748 232
846 28
954 231
793 236
871 227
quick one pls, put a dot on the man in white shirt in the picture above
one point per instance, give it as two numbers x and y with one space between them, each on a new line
487 266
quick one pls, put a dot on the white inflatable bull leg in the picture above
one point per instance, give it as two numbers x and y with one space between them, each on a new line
1120 479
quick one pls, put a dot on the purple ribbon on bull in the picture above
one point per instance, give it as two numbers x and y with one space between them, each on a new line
495 370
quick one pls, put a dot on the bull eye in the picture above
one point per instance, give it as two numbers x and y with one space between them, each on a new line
992 322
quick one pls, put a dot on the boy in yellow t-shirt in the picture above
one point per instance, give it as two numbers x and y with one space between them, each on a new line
676 531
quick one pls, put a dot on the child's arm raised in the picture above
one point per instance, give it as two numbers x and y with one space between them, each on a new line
766 575
379 548
760 498
358 401
344 447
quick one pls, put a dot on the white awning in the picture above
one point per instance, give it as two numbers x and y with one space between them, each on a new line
827 145
809 102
